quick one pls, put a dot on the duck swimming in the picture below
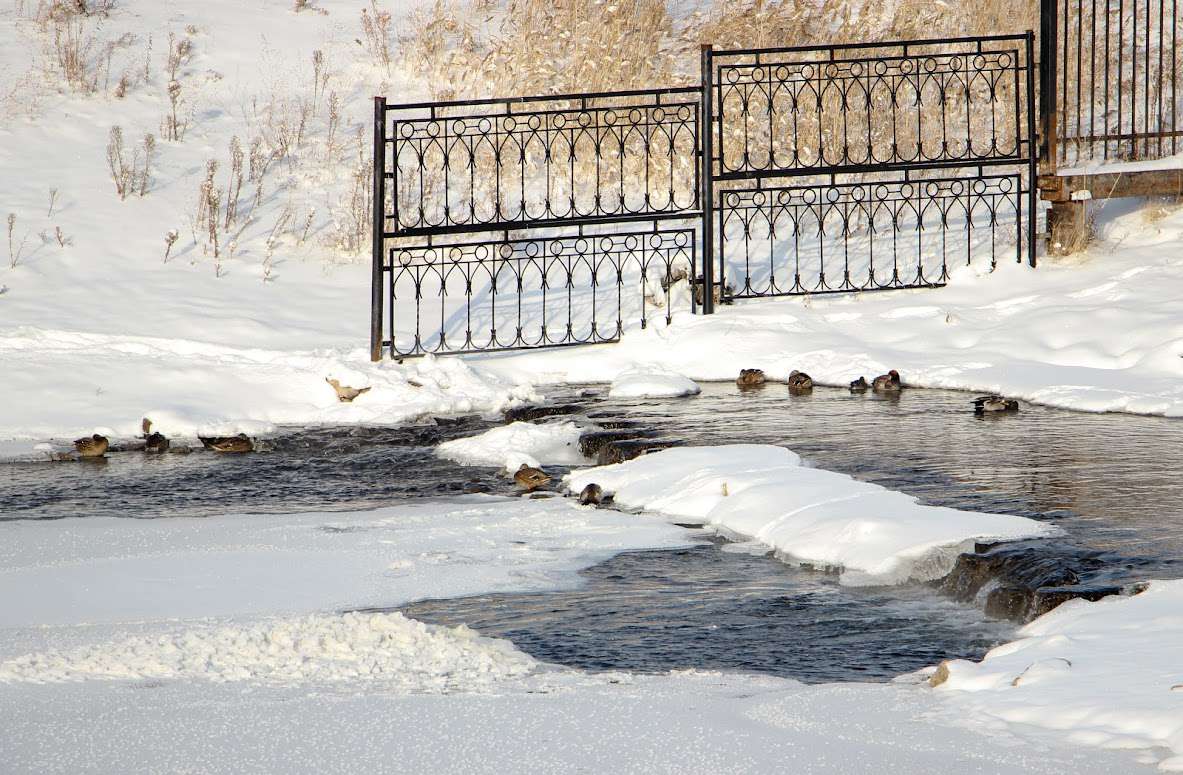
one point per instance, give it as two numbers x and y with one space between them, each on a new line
887 383
750 378
92 446
530 479
591 495
800 382
859 385
153 442
992 404
234 445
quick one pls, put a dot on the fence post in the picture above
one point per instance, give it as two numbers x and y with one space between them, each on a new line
1032 152
707 175
379 230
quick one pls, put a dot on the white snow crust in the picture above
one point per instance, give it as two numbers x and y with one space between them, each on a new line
519 443
871 534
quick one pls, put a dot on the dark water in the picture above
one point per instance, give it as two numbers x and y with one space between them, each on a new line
1114 483
721 610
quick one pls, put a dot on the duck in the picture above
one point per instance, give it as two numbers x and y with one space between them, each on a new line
153 442
990 404
591 495
228 444
800 382
345 394
859 385
95 446
750 378
530 479
887 383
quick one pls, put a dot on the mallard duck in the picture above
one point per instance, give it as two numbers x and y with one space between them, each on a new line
345 394
800 382
859 385
153 442
531 479
750 378
989 404
228 444
887 383
591 495
92 446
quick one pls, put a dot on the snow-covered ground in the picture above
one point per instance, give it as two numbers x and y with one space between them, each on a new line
129 645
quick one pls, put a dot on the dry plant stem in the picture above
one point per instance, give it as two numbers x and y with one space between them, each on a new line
53 198
146 174
234 187
170 239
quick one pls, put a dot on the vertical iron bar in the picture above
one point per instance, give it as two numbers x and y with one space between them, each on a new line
1079 68
379 228
1105 113
706 159
1032 156
1120 69
1048 69
1062 121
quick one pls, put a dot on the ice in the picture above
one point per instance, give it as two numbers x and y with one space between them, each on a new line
651 382
517 444
814 517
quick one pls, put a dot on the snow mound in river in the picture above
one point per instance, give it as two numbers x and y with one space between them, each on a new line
874 535
403 654
518 443
652 382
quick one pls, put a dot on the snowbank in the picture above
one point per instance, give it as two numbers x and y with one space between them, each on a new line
652 382
873 535
1098 332
404 655
1107 674
511 446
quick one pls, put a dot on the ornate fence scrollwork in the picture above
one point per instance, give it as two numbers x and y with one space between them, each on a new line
869 166
584 172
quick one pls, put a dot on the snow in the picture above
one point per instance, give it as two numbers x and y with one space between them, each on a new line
651 382
1096 332
1107 673
814 517
108 571
517 444
402 654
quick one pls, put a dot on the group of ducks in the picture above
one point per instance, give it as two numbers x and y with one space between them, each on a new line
799 382
96 446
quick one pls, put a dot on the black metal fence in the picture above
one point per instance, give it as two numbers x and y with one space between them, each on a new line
559 191
548 221
1111 80
869 166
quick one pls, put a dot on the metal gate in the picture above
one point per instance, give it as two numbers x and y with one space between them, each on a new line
531 222
867 166
548 221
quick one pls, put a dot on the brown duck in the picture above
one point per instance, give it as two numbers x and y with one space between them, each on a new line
236 445
531 479
800 382
749 378
92 446
592 495
345 394
995 404
887 383
155 443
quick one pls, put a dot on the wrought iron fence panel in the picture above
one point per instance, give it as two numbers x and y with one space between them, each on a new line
539 292
1114 79
864 236
497 164
869 107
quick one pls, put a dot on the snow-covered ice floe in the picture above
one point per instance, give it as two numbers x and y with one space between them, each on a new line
400 653
519 443
1108 673
652 382
871 534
